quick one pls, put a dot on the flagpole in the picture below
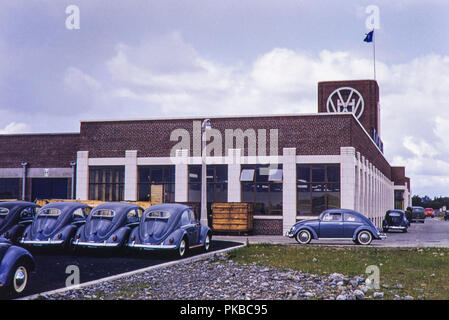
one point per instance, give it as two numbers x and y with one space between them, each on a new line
374 53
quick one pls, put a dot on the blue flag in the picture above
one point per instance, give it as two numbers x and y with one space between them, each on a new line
369 36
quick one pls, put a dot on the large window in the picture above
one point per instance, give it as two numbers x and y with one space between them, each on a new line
399 199
107 183
217 183
9 188
262 185
318 188
156 183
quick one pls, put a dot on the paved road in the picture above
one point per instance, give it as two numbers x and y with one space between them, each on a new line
433 233
50 272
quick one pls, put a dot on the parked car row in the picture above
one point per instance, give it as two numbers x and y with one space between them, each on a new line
72 225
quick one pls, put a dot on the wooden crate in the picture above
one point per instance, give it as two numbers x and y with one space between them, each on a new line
232 217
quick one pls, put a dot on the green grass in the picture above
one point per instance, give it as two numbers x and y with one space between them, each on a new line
422 272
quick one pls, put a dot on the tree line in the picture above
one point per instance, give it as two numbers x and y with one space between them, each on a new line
427 202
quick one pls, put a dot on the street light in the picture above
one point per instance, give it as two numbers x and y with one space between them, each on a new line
72 191
24 176
206 125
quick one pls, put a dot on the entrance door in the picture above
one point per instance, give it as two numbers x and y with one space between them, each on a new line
49 188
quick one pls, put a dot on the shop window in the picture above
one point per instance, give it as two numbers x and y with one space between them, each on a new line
107 183
262 185
318 188
156 183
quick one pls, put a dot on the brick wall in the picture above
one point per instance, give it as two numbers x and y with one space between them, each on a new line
310 134
39 150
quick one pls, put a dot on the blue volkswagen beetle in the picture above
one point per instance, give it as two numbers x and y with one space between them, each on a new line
14 218
395 220
55 225
16 264
336 224
108 225
170 227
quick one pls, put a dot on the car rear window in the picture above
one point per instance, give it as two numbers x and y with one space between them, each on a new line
158 215
49 212
394 214
103 213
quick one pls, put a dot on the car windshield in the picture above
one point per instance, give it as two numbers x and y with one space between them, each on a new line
157 215
4 211
49 212
103 213
418 209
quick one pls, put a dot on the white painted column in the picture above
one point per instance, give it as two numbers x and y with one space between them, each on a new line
347 177
234 185
131 175
289 190
181 176
82 175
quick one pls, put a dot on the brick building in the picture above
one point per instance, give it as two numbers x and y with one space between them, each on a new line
290 166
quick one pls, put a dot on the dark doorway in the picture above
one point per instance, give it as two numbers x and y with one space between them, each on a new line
50 188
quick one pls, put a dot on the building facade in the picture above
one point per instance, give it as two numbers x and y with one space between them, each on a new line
291 167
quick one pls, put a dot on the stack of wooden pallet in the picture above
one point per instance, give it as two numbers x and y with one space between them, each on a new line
232 217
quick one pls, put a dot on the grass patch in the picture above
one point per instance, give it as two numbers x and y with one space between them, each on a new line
418 272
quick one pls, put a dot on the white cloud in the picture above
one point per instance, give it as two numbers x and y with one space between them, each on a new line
14 127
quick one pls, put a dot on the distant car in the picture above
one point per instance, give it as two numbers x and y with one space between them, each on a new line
446 215
16 265
336 224
55 224
429 212
15 216
395 220
418 214
170 227
108 225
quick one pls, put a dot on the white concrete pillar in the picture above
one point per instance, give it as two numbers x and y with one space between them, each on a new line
234 185
131 175
347 177
182 176
289 189
82 175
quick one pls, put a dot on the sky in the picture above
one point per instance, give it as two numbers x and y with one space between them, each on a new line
139 59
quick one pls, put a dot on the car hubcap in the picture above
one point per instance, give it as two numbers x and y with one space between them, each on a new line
20 279
207 243
364 237
182 248
303 237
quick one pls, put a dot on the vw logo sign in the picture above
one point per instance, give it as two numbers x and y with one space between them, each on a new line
346 99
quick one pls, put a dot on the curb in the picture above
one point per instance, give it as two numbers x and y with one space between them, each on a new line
203 256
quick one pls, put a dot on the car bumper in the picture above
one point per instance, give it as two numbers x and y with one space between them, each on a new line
151 246
95 244
48 242
395 227
381 236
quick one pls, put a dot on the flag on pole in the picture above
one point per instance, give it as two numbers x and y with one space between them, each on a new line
369 36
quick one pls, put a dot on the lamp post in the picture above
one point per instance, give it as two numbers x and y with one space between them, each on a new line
72 191
204 126
24 176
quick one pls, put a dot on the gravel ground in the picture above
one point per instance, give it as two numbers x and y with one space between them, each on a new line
219 278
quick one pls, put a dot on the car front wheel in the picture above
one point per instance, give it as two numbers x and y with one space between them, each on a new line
19 280
207 241
303 237
183 248
364 237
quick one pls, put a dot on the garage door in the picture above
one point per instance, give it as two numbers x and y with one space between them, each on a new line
50 188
